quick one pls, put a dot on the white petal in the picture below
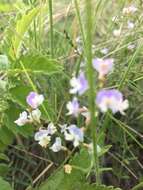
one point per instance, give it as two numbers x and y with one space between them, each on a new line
103 107
22 120
40 99
51 129
45 141
123 106
57 146
116 32
75 85
104 51
73 82
70 108
68 136
35 115
76 143
19 122
40 135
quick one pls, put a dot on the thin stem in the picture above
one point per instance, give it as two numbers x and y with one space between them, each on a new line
40 25
51 28
34 88
35 35
90 74
132 61
79 20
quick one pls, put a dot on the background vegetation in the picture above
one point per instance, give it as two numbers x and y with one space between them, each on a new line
36 54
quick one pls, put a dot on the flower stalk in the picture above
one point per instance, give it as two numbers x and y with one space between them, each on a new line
91 94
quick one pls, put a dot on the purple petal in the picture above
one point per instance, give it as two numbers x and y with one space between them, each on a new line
103 66
76 132
83 83
109 93
30 98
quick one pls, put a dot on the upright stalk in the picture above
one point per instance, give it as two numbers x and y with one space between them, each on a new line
51 28
90 75
79 20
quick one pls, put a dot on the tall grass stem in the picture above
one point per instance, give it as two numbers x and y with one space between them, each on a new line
90 75
51 28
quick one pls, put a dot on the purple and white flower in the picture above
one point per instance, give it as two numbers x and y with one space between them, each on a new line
23 119
74 134
57 146
112 100
104 51
34 99
73 107
43 137
131 46
103 66
129 10
79 85
130 25
63 128
51 129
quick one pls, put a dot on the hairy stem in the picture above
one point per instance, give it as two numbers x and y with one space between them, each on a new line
90 74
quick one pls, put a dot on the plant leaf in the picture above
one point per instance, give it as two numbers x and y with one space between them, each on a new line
12 114
3 169
19 93
4 185
138 186
39 64
63 181
22 26
4 157
95 187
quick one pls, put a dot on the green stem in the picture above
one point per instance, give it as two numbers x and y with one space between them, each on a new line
51 28
33 87
35 34
91 95
79 21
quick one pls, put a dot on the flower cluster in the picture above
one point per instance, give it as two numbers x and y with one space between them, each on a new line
33 115
105 99
45 136
79 85
108 99
129 10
